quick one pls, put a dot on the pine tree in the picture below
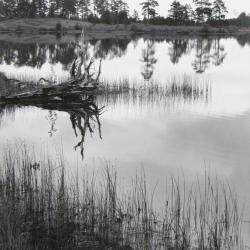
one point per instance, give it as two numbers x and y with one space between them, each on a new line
56 7
119 11
9 7
122 6
52 10
175 12
83 8
33 9
100 7
135 16
149 9
123 12
113 5
68 8
219 10
181 14
191 12
203 10
41 7
23 8
1 8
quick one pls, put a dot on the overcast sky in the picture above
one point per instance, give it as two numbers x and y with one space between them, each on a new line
235 7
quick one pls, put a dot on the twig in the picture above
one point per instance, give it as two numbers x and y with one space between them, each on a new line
99 72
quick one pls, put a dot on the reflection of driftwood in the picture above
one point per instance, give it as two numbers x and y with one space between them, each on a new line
81 120
81 116
84 116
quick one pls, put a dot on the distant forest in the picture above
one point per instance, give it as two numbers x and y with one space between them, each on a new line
118 12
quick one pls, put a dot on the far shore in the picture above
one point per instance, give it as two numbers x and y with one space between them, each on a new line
61 27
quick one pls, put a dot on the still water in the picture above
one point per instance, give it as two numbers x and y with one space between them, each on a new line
164 135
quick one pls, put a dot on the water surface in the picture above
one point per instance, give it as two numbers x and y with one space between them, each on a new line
163 134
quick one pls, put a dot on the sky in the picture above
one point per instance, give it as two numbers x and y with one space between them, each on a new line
235 7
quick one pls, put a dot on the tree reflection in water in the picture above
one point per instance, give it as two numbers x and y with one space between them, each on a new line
243 40
219 53
84 117
36 55
148 60
178 48
110 48
202 60
208 51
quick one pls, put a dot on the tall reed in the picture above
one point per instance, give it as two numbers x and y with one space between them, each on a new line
42 207
185 89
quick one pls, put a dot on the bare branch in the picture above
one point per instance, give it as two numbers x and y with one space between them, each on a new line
99 72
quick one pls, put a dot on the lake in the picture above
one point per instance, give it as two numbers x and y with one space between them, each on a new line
163 134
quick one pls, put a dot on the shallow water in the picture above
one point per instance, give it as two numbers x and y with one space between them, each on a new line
164 135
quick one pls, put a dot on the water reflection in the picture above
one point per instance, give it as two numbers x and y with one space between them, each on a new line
178 124
243 40
35 55
203 55
52 117
83 120
178 48
185 90
110 48
84 117
203 52
208 51
148 60
219 54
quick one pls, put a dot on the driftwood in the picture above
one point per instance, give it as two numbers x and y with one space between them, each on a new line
59 93
78 88
75 96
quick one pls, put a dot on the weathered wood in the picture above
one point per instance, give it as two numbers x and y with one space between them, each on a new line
67 91
78 87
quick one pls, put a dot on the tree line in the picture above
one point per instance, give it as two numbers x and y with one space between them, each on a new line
108 11
117 11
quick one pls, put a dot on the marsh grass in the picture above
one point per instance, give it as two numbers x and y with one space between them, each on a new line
185 89
42 207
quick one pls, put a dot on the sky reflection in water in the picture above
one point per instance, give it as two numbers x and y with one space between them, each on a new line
164 135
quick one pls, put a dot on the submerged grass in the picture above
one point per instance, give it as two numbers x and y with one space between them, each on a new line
41 207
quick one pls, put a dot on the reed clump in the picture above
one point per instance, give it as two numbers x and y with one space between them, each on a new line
41 207
185 89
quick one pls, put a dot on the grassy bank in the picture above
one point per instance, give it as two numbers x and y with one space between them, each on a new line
41 207
63 26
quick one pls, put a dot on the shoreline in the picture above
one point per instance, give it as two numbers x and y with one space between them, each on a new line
62 27
52 38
